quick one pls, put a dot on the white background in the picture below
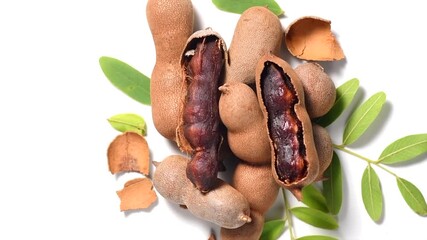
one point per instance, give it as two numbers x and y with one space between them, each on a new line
54 102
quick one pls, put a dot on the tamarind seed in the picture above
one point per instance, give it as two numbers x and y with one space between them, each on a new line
199 130
281 96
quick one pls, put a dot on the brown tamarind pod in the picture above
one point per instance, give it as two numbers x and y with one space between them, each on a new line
319 89
224 205
294 159
257 32
257 184
171 23
169 178
246 132
248 231
324 148
198 132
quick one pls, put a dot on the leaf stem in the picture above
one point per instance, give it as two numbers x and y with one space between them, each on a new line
368 160
386 169
288 215
344 149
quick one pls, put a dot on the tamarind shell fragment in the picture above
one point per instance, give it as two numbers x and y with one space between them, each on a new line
198 132
294 159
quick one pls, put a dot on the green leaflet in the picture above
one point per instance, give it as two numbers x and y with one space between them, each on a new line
239 6
273 229
127 79
315 217
332 186
316 237
413 196
344 96
363 117
404 149
129 122
312 197
372 194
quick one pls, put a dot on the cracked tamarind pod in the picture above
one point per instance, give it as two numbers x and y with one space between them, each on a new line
171 23
198 132
294 159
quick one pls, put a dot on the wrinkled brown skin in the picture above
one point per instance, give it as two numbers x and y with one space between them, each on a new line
257 184
324 148
198 132
169 178
224 205
249 231
257 32
246 132
171 23
319 89
275 76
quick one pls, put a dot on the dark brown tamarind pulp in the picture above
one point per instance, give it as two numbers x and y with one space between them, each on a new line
284 126
203 68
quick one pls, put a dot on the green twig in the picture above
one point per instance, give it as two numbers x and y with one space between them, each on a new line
288 215
368 160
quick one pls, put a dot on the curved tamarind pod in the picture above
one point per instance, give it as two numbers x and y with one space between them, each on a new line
198 132
294 159
224 205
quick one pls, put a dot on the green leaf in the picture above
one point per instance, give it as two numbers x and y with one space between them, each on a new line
239 6
332 186
312 197
127 79
404 149
273 229
316 237
344 96
372 193
129 122
362 117
315 217
413 196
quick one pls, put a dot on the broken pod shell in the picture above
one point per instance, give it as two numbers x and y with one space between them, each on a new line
311 38
294 159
